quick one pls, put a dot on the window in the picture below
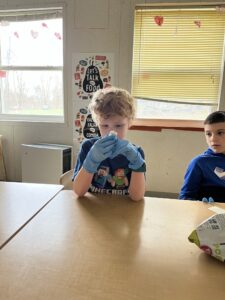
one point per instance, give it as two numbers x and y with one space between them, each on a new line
178 61
31 64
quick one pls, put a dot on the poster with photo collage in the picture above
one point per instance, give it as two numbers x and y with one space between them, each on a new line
91 72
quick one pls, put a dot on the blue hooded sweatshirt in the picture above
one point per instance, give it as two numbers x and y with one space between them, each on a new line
205 177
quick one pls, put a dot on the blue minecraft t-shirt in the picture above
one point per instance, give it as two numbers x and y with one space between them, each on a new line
113 175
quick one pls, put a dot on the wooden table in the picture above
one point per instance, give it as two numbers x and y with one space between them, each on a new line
110 248
19 202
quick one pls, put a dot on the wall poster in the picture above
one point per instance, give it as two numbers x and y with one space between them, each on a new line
90 73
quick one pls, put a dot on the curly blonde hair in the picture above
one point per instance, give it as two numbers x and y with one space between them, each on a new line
112 101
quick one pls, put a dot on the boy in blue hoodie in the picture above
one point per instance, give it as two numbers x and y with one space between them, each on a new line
205 176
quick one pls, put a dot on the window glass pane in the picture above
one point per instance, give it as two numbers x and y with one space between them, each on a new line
31 64
31 92
31 43
163 110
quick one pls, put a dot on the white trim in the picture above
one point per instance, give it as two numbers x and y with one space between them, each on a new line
31 68
32 118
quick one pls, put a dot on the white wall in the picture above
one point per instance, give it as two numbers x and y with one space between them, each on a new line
104 26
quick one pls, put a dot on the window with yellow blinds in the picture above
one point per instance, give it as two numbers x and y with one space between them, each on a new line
178 61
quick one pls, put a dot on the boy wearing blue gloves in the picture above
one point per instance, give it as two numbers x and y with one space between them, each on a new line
205 176
110 164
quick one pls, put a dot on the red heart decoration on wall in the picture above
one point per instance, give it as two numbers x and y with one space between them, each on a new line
2 74
197 23
57 35
16 34
158 20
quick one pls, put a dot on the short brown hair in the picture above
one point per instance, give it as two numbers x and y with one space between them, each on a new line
112 101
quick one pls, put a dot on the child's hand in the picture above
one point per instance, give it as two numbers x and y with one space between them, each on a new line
119 148
101 150
130 152
207 200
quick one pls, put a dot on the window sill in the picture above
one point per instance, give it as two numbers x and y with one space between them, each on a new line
159 124
31 118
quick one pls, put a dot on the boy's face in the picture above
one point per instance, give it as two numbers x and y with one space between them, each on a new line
215 136
115 123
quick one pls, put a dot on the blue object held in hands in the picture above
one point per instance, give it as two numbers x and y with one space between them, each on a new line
101 150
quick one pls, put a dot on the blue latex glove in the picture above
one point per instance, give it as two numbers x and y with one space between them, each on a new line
207 200
130 152
101 150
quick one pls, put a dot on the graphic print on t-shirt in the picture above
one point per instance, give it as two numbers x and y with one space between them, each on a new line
119 179
105 183
220 173
102 177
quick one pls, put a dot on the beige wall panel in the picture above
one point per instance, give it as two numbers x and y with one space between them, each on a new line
91 14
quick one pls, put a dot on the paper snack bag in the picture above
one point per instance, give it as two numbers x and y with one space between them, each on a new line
210 236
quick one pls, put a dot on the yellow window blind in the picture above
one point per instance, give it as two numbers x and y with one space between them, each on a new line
178 54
